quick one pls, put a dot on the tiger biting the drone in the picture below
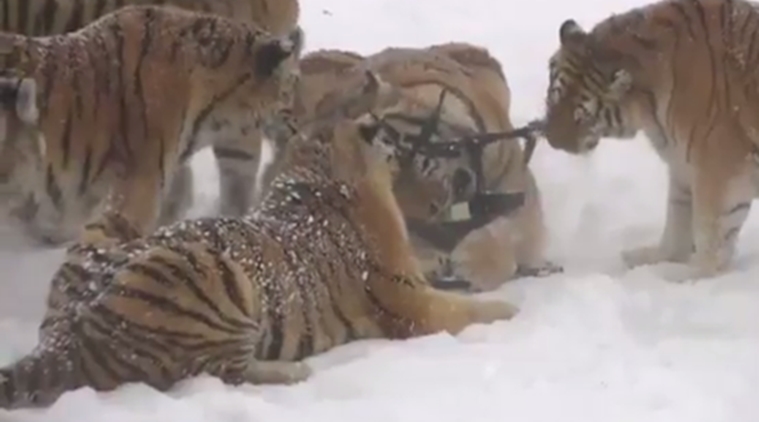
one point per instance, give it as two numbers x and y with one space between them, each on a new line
371 154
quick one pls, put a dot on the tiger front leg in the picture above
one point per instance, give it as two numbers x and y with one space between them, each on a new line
43 223
53 221
676 243
486 257
237 161
420 309
453 312
531 235
179 197
270 372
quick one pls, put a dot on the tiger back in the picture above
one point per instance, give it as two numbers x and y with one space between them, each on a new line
478 101
322 261
51 17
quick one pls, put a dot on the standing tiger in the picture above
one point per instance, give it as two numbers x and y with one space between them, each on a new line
51 17
426 187
685 73
323 260
102 117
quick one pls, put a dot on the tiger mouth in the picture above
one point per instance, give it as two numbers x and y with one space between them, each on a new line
484 208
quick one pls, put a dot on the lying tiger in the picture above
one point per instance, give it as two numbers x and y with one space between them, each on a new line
100 119
428 188
322 261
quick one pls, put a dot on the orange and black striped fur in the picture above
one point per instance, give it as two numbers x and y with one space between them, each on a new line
52 17
684 72
98 120
429 189
322 261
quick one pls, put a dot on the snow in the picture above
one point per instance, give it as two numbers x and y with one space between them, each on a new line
597 343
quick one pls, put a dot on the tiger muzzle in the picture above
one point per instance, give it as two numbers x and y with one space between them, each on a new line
484 208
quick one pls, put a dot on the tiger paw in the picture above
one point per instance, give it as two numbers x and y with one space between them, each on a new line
647 255
277 372
543 270
490 311
698 267
47 238
451 284
96 239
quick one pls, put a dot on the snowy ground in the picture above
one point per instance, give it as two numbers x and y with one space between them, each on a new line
597 343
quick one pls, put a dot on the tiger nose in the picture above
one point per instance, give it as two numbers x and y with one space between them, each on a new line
462 180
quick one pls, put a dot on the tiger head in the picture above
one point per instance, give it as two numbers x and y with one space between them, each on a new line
356 141
428 179
425 185
588 92
22 147
338 146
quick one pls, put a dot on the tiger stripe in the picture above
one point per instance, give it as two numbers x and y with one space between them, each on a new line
477 101
94 85
98 124
683 72
322 261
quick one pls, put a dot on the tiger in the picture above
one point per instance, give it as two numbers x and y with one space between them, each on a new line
43 18
638 72
323 260
52 17
98 120
428 189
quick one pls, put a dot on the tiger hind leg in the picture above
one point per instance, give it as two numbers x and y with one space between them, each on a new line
188 275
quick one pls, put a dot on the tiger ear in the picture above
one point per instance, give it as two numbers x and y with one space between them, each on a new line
375 93
372 82
368 128
621 83
571 33
379 150
26 101
375 86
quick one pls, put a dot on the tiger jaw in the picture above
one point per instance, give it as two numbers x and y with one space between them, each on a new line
588 144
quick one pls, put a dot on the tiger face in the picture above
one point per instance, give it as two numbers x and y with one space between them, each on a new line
427 184
587 91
